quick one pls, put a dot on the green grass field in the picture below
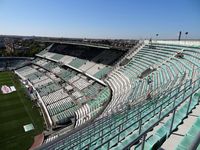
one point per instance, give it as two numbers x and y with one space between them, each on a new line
15 112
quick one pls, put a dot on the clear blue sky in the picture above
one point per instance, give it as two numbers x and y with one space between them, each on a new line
100 18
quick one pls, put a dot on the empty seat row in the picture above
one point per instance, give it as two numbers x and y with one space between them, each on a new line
190 137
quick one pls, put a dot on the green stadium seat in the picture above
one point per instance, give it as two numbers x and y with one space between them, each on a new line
77 62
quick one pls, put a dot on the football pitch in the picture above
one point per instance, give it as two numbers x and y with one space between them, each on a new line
16 110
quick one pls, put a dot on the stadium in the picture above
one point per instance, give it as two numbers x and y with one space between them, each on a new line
88 95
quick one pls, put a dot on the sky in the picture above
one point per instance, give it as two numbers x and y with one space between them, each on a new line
130 19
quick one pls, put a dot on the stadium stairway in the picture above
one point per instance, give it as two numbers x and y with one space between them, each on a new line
149 57
120 86
119 82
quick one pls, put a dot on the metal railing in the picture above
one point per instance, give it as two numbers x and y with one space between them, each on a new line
77 138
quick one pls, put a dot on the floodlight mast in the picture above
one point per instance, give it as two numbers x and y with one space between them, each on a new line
186 33
179 37
157 37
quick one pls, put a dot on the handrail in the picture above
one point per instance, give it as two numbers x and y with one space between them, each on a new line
148 129
195 143
109 118
143 97
153 125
